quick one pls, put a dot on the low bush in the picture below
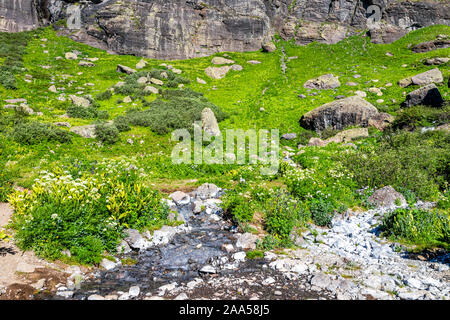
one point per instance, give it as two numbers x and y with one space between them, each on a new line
12 48
36 132
85 215
417 226
321 180
238 206
405 160
122 123
107 133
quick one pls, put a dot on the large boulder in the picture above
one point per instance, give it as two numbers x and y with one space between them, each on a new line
207 191
125 69
79 101
246 241
325 82
428 77
387 197
428 95
386 33
180 198
217 72
209 123
440 43
339 114
269 47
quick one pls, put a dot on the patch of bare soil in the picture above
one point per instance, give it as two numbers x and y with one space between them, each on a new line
22 273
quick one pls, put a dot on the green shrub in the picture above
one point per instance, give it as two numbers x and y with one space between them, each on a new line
12 48
255 254
36 132
444 201
418 226
321 179
328 133
106 95
107 133
85 215
305 136
409 160
322 212
421 116
122 123
269 242
7 79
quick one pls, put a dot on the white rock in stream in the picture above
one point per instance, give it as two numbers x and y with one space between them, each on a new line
134 291
208 269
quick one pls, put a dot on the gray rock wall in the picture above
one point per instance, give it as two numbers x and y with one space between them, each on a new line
178 29
18 15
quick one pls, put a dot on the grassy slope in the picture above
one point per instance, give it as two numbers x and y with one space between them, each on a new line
240 93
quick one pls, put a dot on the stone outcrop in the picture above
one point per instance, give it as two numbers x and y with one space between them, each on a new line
428 77
217 72
339 114
325 82
441 42
179 29
18 15
381 121
428 95
387 197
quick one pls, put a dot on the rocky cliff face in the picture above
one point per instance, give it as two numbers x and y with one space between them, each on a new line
17 15
179 29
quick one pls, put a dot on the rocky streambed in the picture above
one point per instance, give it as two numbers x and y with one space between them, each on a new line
205 258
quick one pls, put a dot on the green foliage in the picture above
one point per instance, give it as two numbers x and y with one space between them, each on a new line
91 112
255 254
421 116
178 109
320 176
410 160
106 95
269 242
4 236
238 206
35 132
282 213
328 133
12 48
85 215
322 212
444 201
418 226
107 133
